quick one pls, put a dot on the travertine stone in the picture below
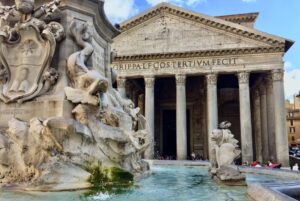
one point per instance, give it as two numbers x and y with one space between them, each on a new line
80 123
245 117
212 106
181 129
165 28
279 110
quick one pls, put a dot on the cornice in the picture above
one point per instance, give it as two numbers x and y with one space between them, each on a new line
205 53
214 22
238 18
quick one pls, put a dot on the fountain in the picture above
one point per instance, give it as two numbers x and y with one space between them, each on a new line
63 126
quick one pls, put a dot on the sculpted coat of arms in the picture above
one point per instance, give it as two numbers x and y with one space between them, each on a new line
28 38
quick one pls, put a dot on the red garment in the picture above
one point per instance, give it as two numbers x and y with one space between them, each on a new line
274 166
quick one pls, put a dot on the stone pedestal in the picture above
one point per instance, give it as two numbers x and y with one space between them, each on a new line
42 108
181 130
245 117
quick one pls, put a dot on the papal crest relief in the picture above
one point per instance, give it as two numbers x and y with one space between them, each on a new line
26 52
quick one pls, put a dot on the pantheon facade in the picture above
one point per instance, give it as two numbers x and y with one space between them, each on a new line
188 72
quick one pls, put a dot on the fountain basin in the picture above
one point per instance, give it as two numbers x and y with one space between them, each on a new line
167 182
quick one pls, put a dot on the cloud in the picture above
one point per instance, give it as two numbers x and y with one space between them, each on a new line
120 10
292 83
249 1
288 65
177 2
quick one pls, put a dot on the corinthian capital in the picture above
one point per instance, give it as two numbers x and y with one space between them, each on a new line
243 77
277 75
149 81
212 79
121 81
180 79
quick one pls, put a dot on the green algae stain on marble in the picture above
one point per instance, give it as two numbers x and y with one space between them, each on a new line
118 175
112 180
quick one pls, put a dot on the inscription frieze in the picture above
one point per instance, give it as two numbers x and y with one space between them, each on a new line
177 64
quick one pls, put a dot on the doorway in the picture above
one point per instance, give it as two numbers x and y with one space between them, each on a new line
169 133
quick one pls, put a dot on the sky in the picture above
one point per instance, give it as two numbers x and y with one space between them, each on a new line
277 17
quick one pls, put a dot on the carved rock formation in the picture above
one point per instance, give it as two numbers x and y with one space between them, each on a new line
224 150
104 130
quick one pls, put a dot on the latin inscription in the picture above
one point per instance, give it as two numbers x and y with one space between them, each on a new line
178 64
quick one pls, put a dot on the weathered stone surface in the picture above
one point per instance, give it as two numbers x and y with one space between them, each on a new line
156 33
34 41
230 176
224 150
62 123
261 192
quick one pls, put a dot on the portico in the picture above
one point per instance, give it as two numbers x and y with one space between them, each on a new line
204 70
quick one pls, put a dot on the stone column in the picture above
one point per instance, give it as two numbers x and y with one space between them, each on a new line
281 139
149 112
264 122
257 127
181 129
245 117
121 82
212 107
141 103
270 117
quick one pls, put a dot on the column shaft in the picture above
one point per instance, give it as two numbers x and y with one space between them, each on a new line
212 107
271 118
280 121
245 117
181 126
257 127
264 123
149 112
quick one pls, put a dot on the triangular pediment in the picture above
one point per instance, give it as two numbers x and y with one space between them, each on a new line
170 29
